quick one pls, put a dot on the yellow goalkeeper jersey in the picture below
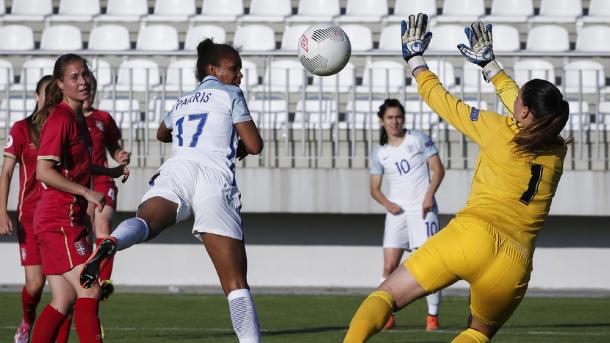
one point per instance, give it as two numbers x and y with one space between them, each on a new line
512 194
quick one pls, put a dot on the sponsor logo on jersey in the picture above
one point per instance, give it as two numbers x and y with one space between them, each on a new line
474 114
80 248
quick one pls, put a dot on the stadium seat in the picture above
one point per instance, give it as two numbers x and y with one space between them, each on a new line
443 69
157 38
180 76
102 71
599 13
403 8
283 75
346 80
61 37
548 38
172 11
15 109
316 11
29 11
291 36
2 8
6 74
580 117
269 112
472 80
157 108
250 75
137 75
315 113
360 36
383 76
586 74
510 11
76 11
254 37
124 11
594 38
220 11
419 115
361 113
125 112
533 68
558 11
388 40
506 38
196 34
16 37
359 11
446 38
268 11
31 71
465 11
603 118
109 38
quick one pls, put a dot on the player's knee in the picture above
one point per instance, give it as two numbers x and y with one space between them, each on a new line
34 284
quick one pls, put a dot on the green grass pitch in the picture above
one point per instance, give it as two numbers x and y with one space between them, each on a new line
313 318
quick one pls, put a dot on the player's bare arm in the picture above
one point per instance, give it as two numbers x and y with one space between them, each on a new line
164 134
6 226
250 137
438 173
378 195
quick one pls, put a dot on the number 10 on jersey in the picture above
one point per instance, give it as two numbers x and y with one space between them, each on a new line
199 119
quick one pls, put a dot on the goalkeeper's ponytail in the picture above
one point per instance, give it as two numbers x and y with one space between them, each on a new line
383 135
551 113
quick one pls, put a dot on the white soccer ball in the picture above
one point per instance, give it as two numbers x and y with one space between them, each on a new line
324 49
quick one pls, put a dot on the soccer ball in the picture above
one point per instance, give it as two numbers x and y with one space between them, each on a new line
324 49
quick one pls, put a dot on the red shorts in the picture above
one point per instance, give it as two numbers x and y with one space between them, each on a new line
110 192
28 248
63 248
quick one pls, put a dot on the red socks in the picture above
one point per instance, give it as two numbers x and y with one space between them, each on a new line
64 330
106 270
86 320
29 304
47 325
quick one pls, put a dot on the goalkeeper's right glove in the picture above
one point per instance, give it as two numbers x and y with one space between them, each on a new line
480 51
415 40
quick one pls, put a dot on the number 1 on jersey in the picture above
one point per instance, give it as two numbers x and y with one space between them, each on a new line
191 117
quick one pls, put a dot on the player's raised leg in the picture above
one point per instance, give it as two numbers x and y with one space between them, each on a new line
229 258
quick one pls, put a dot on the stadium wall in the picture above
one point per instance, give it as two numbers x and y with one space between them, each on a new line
319 228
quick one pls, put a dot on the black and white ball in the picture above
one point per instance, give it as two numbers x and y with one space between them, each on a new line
324 49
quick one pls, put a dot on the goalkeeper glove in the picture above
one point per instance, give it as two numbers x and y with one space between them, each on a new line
480 51
415 40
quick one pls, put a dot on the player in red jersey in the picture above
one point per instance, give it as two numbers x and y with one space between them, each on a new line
22 147
64 170
106 136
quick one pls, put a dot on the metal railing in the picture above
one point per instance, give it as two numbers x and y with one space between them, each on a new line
313 122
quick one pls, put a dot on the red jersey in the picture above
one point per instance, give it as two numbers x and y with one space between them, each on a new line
20 147
105 135
65 140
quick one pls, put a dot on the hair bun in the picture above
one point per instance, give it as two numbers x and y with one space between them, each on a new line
205 46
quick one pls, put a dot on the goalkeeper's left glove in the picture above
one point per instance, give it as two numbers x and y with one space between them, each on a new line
415 40
480 51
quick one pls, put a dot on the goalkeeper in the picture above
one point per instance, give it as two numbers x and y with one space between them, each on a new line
490 242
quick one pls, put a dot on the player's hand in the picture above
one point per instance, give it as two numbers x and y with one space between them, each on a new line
241 150
414 37
123 157
6 226
427 206
393 208
118 171
96 198
480 38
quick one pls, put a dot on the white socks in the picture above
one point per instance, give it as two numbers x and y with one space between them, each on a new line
130 232
243 316
433 300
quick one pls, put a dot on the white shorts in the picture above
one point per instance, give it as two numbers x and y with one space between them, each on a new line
206 192
408 230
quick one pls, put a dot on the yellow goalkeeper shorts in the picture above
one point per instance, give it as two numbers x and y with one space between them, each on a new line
497 267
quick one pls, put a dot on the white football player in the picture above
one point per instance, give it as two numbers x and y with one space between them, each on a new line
406 157
199 179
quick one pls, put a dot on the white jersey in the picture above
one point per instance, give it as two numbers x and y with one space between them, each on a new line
406 169
202 124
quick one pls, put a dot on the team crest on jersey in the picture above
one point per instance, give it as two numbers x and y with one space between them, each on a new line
9 141
23 254
99 125
80 248
411 148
